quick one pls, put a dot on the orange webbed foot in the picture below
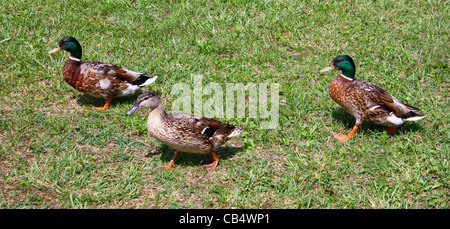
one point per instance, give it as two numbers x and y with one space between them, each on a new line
104 106
341 137
160 168
171 163
211 166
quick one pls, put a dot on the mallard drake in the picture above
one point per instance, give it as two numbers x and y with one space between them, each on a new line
188 133
365 101
99 79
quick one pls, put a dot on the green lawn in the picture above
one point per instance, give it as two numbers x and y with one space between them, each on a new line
57 152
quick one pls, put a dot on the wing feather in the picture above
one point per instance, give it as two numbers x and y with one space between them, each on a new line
101 69
376 96
202 125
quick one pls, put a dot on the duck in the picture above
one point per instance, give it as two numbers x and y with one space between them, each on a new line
187 133
365 101
99 79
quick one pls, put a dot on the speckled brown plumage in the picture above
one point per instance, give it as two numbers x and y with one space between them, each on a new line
88 81
365 101
99 79
186 133
358 96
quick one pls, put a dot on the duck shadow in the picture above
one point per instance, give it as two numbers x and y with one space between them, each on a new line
342 116
189 159
90 101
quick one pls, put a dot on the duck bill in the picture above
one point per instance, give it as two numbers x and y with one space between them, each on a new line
133 109
57 49
326 69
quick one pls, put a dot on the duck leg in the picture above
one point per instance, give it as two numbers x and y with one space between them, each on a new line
390 130
104 106
171 163
211 166
343 138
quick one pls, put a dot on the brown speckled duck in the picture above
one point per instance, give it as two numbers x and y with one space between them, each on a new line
367 102
188 133
99 79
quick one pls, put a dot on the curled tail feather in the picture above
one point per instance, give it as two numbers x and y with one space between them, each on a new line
411 107
143 80
220 138
412 116
236 132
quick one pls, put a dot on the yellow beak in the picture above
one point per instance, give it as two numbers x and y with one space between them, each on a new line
55 50
326 69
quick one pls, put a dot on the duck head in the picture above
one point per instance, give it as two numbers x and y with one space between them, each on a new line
68 44
145 100
343 63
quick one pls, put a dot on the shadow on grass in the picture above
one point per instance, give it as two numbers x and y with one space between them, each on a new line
90 101
342 116
189 159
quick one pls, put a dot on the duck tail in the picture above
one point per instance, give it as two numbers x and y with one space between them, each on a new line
224 134
412 116
143 80
411 107
236 132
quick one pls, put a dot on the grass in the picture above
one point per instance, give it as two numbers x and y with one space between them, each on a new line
57 152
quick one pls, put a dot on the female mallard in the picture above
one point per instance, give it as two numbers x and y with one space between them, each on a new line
367 102
187 133
99 79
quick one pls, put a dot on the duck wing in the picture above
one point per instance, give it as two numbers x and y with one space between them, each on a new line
376 96
203 125
101 69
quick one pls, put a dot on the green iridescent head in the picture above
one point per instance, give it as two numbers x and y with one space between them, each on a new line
344 63
69 44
